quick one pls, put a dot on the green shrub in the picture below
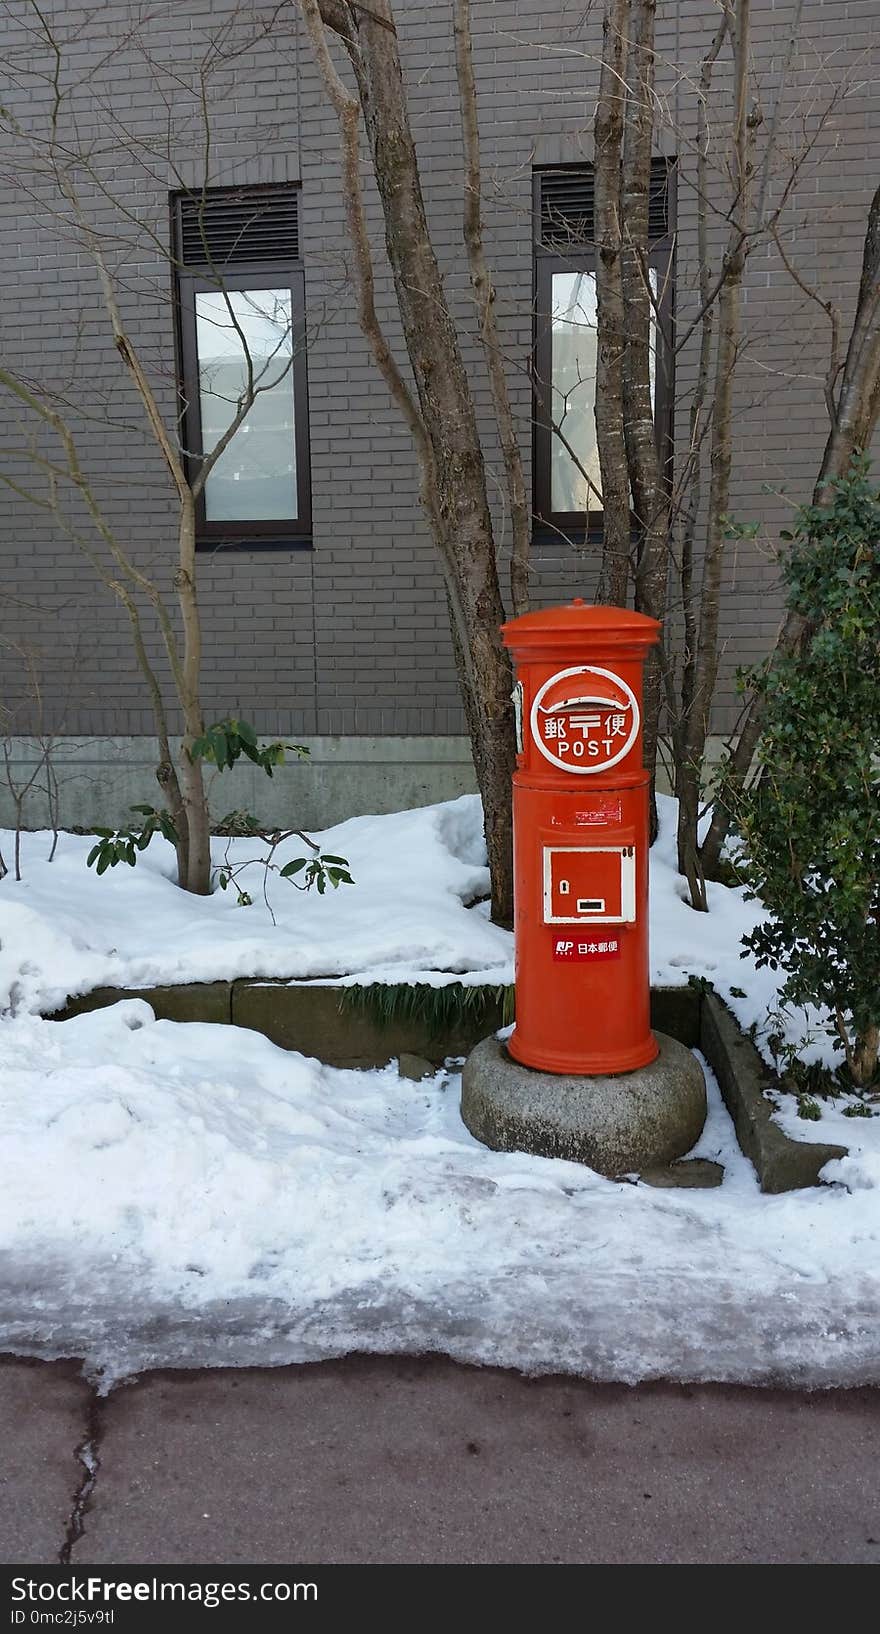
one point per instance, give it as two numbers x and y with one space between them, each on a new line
810 822
223 744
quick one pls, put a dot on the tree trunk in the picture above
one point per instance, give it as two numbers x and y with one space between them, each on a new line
190 773
688 780
866 1056
736 772
493 780
704 670
687 791
858 399
611 325
649 493
169 783
198 826
484 294
457 502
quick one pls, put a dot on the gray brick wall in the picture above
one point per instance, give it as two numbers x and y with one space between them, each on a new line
351 637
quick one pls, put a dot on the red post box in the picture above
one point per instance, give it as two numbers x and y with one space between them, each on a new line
580 814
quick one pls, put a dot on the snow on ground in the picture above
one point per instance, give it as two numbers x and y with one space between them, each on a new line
183 1194
414 913
64 929
178 1194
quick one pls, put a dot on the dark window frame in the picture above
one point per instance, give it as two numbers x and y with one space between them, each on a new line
280 533
549 525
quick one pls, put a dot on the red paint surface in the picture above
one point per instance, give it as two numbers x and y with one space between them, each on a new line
581 822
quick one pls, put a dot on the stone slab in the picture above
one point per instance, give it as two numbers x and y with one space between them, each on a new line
183 1001
43 1419
414 1067
693 1173
318 1021
617 1124
421 1461
676 1011
781 1164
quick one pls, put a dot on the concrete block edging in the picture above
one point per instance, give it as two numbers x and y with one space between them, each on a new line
782 1164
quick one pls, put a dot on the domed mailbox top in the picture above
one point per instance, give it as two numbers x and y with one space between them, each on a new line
580 626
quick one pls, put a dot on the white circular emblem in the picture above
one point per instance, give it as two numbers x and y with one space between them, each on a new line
586 727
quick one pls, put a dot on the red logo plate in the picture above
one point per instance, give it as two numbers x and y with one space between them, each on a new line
585 949
607 809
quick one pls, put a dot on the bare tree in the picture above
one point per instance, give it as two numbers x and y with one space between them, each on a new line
852 397
440 414
58 178
640 508
668 532
694 713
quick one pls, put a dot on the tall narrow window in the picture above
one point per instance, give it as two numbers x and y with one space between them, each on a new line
241 305
567 481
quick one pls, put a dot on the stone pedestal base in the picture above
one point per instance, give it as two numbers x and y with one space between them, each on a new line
617 1125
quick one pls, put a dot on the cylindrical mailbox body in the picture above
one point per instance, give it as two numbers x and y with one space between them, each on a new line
580 819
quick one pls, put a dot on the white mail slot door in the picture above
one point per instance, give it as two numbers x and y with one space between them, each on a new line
589 884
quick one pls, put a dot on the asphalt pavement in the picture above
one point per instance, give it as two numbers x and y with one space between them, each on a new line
420 1460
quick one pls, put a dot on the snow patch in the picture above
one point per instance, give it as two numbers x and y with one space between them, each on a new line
64 930
182 1194
190 1195
414 914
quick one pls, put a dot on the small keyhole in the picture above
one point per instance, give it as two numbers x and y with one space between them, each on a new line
563 887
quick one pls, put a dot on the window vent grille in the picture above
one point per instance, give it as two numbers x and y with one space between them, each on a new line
567 204
228 226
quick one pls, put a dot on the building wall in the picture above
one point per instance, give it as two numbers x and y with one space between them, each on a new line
350 639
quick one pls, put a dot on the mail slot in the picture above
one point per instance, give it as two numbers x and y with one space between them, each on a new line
574 877
580 817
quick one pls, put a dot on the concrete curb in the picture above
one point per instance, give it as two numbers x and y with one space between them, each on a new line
182 1001
314 1019
318 1021
781 1164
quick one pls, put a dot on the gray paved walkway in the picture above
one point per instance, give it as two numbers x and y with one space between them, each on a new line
402 1460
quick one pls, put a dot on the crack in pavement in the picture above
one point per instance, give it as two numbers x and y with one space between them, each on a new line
87 1454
